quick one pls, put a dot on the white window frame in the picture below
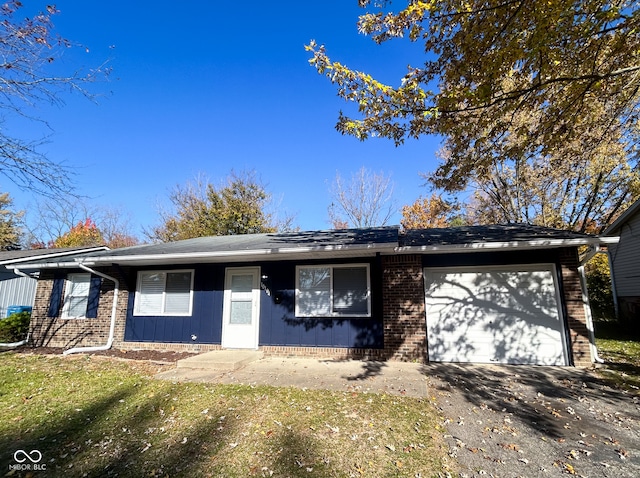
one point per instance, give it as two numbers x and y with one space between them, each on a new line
331 267
136 308
70 280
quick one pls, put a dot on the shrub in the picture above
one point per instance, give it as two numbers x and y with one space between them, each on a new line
599 286
15 327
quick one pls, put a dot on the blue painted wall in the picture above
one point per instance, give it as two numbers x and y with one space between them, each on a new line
278 323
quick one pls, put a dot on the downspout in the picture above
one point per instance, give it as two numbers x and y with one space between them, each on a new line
585 301
114 308
14 345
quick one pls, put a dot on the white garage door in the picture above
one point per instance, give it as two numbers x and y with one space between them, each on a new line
495 314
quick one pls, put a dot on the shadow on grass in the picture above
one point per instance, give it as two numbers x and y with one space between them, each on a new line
70 446
127 431
300 458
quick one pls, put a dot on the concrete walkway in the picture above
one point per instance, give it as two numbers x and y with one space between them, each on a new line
348 375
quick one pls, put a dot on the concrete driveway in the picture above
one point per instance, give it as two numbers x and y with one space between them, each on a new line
508 421
501 421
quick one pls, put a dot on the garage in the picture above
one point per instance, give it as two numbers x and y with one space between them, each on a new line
495 314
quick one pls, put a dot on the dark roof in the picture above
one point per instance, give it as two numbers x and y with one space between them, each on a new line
254 242
327 245
485 234
249 246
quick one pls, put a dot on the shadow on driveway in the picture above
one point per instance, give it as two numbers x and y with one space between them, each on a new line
536 421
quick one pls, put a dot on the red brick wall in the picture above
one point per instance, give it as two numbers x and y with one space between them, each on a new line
403 308
580 351
57 332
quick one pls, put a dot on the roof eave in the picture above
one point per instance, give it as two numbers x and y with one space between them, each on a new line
20 262
490 246
229 256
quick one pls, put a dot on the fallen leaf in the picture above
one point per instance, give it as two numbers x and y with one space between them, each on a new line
509 446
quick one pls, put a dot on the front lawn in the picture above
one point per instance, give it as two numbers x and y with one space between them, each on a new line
91 416
621 353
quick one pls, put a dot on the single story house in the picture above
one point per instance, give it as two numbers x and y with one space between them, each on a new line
493 294
624 258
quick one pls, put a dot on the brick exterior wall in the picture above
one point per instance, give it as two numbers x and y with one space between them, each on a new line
405 330
580 349
67 333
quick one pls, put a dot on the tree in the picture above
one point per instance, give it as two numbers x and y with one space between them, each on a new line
570 187
51 219
85 233
29 50
429 212
366 200
487 63
9 224
239 206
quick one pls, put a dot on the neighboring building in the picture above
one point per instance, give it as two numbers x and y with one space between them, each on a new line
624 259
19 289
499 294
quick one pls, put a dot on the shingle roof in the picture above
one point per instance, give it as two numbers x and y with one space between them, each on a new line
249 246
327 244
253 242
484 234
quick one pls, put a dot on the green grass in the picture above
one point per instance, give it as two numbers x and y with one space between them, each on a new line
96 417
621 353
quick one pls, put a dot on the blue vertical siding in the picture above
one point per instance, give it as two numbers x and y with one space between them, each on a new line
205 323
278 323
280 326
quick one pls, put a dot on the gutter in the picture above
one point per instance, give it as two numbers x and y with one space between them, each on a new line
114 308
532 244
356 250
55 254
14 345
595 249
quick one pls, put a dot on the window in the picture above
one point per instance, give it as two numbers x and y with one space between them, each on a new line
333 291
76 296
164 293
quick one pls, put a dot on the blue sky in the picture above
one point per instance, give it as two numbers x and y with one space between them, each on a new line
210 86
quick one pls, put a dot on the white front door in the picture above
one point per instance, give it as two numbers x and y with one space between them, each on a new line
241 308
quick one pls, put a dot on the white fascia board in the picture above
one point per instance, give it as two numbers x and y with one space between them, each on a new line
493 246
242 256
19 262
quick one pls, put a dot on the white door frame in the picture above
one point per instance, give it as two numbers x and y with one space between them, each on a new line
241 336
